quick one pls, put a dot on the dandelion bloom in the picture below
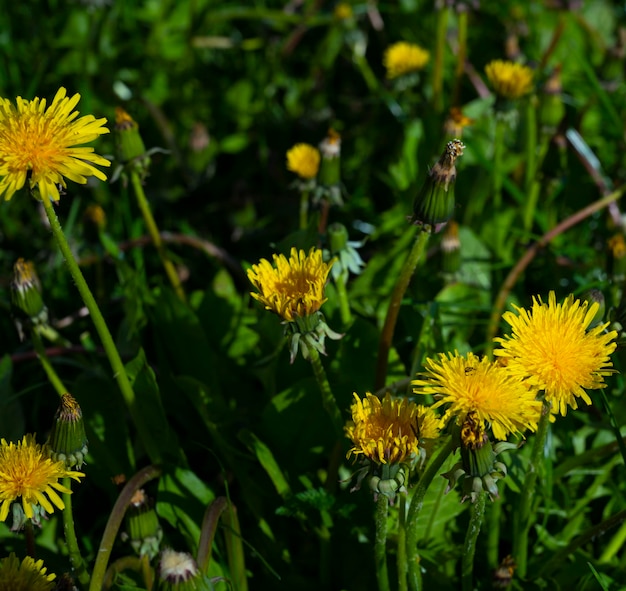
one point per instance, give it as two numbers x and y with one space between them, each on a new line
42 145
552 350
469 384
402 58
293 287
389 431
29 575
304 160
26 471
509 79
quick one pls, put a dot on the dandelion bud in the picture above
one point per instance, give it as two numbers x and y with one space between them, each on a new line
67 441
131 150
27 303
434 204
144 531
329 178
451 249
552 109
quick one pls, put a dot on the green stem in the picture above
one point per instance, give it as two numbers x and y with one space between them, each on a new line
530 143
328 398
498 151
380 544
119 371
115 521
469 549
29 537
520 540
415 508
76 559
440 48
304 210
401 560
153 230
344 302
493 535
56 382
461 56
386 336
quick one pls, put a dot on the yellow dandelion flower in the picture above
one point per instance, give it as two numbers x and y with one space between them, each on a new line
30 575
552 350
42 145
509 79
469 384
342 11
294 287
617 246
389 431
26 471
402 58
304 160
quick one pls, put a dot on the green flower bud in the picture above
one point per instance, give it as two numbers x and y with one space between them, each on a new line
131 150
144 531
27 303
434 204
67 440
329 175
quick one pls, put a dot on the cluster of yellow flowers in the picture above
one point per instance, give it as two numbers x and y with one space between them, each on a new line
551 351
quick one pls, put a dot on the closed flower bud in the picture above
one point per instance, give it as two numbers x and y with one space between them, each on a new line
329 176
434 204
67 440
144 531
131 150
27 304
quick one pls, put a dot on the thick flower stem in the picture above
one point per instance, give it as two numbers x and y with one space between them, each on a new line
520 541
469 549
76 559
415 508
438 69
380 544
344 302
498 151
401 549
115 521
53 377
328 398
153 230
391 318
304 210
119 371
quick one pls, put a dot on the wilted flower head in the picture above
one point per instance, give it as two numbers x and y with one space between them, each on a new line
551 349
27 471
41 145
403 57
304 160
509 80
469 384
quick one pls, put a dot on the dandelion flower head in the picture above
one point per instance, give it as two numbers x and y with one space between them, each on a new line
27 471
403 57
43 145
469 384
389 431
552 350
304 160
29 575
509 80
292 287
